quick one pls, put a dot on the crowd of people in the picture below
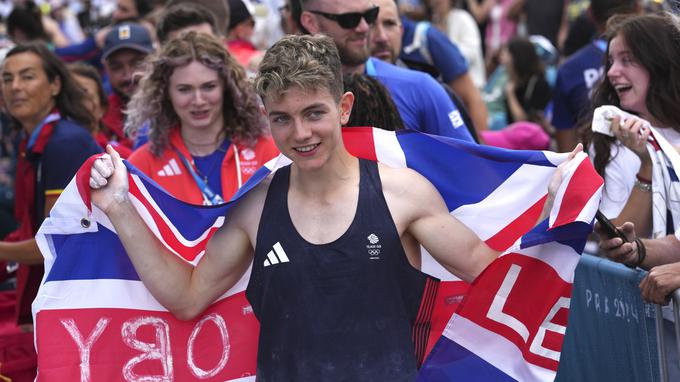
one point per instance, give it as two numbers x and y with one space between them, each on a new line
199 94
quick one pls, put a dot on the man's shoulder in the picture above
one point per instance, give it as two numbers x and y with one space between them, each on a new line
248 208
408 194
70 133
590 56
403 182
395 75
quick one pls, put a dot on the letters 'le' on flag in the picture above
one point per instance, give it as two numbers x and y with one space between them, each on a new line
94 320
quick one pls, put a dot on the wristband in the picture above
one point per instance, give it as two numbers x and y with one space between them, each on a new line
642 186
641 250
642 179
641 254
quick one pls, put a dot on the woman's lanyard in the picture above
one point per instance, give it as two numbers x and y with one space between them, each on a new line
52 117
210 198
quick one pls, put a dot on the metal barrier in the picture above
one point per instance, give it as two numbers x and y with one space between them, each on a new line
661 344
612 333
675 297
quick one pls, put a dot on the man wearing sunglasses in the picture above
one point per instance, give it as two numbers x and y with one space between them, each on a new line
428 50
422 103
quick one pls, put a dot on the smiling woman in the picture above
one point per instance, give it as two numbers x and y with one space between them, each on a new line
46 104
207 135
643 78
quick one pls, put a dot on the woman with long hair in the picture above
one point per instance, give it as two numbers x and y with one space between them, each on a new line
46 105
527 92
207 135
642 78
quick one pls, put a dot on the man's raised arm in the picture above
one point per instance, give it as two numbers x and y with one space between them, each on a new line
183 289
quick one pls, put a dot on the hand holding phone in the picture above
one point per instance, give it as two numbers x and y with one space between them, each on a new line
608 228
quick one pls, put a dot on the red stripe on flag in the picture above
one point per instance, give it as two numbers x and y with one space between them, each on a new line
359 142
518 227
188 253
582 185
655 144
449 296
83 181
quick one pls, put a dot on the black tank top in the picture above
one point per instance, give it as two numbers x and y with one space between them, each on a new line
349 310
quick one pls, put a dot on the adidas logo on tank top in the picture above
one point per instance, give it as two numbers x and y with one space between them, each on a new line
276 255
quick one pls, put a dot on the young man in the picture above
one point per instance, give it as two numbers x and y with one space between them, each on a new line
125 48
329 309
185 17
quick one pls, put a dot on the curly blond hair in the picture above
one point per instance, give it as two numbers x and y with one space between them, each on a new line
243 121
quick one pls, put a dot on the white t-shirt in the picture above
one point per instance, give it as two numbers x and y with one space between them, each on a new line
620 174
462 30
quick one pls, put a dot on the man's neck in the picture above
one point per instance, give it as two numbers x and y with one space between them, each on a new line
359 69
30 124
122 98
203 142
324 182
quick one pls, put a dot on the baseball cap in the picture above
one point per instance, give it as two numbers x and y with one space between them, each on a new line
518 136
127 36
239 11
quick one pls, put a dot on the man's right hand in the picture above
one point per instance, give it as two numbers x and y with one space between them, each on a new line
109 181
615 248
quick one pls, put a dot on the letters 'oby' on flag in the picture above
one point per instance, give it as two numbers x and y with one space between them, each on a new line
96 321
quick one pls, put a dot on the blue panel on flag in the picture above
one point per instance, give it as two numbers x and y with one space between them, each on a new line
611 331
573 235
449 361
480 169
190 220
89 256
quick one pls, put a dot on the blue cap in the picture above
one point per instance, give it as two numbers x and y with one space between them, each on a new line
127 36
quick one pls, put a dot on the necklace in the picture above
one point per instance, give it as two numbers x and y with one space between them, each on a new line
205 165
202 147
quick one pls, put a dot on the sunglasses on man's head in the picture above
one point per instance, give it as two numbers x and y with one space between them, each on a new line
350 20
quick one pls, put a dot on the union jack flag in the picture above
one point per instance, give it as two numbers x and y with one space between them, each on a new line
96 321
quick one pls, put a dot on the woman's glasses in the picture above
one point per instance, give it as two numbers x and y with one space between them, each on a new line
350 20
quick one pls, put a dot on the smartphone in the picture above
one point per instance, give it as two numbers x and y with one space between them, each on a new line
608 227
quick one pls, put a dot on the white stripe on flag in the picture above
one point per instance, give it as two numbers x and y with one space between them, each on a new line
567 174
278 162
142 211
484 217
590 208
562 258
430 266
107 293
387 148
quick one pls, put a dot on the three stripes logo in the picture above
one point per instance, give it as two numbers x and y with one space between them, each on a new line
170 169
276 256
